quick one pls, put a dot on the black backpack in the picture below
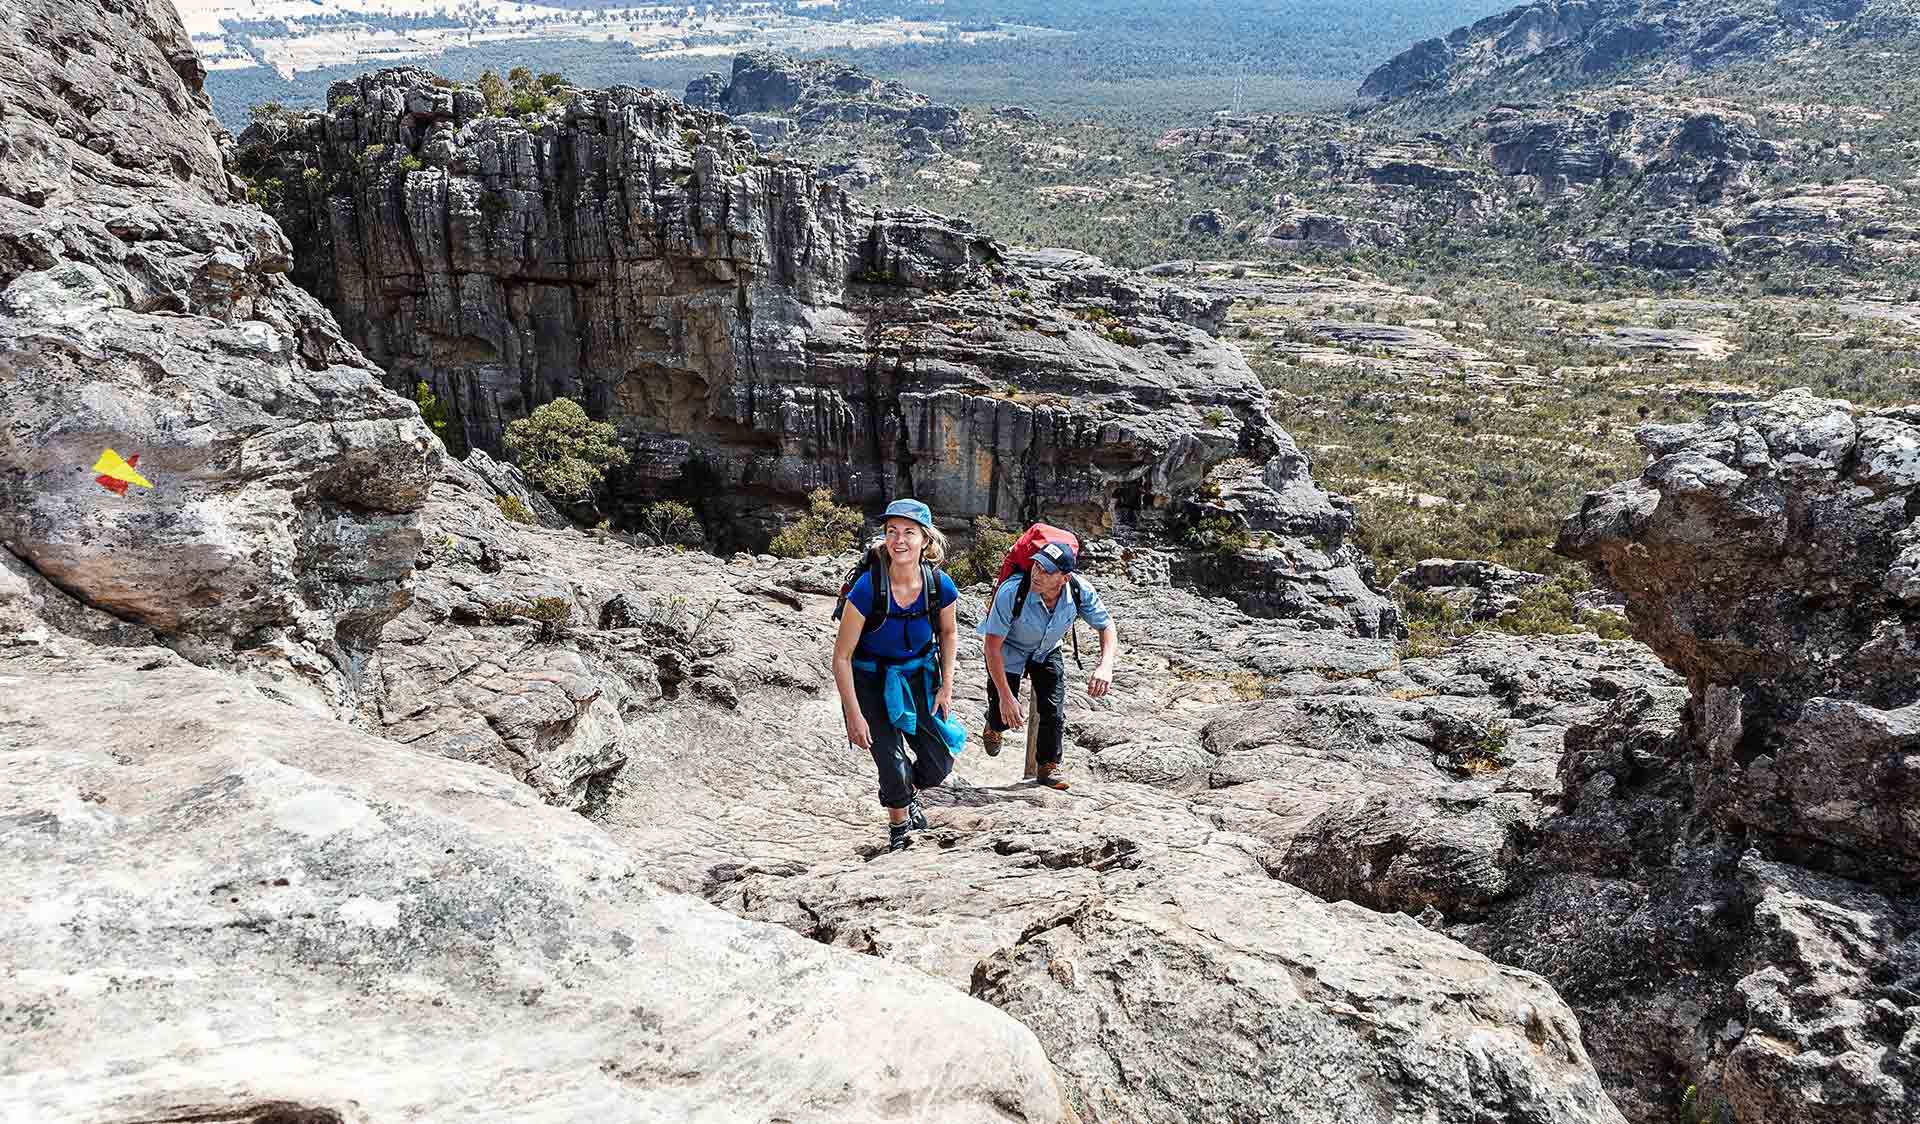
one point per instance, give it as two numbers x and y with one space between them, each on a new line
1079 606
874 563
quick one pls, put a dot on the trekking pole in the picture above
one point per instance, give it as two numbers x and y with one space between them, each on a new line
1033 748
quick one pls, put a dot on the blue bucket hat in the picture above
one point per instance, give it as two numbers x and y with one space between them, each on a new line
1055 558
910 509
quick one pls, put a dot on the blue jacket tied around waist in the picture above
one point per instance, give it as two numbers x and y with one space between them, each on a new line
897 691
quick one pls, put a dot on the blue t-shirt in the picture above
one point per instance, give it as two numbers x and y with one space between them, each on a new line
899 638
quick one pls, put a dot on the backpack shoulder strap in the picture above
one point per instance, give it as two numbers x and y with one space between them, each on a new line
1020 598
881 582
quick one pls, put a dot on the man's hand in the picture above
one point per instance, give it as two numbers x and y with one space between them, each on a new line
857 731
1010 711
1101 681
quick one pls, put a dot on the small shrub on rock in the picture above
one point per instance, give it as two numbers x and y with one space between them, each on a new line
671 521
826 528
980 562
1219 534
514 509
564 452
551 617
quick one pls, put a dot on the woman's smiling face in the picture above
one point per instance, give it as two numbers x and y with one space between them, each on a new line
905 539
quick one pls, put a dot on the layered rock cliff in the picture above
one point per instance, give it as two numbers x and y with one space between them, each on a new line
754 332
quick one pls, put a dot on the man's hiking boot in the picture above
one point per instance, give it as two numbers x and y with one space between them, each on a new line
1051 776
990 741
917 817
897 836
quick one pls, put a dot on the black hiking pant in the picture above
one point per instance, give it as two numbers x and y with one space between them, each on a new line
1049 704
899 775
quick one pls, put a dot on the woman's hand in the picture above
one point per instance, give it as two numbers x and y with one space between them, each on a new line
943 700
857 731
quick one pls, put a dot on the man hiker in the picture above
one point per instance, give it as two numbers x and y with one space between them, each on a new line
1023 639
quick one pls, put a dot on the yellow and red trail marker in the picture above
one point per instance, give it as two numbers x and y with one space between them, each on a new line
116 474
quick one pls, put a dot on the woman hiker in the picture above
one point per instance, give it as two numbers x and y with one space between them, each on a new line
896 674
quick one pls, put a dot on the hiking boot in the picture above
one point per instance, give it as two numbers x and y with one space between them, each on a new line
917 816
990 741
1051 776
897 836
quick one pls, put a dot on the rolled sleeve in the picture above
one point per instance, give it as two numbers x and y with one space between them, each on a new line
999 618
1095 610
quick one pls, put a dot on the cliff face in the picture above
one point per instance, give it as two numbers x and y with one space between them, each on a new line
753 331
146 308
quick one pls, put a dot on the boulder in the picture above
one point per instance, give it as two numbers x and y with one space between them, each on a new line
287 918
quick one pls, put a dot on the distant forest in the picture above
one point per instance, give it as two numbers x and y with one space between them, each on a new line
1144 61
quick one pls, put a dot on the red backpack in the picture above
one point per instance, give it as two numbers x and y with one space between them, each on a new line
1020 557
1036 536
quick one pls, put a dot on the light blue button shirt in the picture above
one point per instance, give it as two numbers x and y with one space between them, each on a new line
1037 633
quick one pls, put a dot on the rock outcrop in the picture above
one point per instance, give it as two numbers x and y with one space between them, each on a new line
145 307
1739 854
754 332
816 92
1768 553
1618 178
1587 40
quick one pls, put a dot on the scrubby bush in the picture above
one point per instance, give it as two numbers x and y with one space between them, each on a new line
826 528
980 562
551 617
1219 534
514 509
671 521
564 452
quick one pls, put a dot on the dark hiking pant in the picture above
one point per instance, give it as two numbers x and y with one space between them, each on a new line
930 762
1049 704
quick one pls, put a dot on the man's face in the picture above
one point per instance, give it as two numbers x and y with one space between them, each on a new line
1047 584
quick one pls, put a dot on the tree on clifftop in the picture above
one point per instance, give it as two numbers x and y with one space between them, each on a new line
565 453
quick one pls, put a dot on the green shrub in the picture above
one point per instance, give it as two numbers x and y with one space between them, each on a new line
492 91
411 163
671 521
272 112
551 616
514 509
1219 534
565 453
826 528
980 562
528 103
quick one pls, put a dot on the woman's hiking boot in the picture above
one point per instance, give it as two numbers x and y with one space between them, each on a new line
917 816
897 836
1052 777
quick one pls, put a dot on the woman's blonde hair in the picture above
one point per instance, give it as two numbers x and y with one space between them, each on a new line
935 551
